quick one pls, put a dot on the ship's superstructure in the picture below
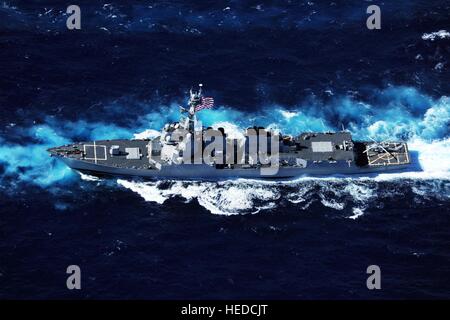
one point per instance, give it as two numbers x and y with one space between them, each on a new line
187 150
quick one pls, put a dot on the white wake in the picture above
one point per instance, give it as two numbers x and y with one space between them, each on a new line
245 196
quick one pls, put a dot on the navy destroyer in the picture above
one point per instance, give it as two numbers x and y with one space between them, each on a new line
187 150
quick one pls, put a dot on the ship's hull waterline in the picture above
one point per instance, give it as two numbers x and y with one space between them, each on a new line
207 172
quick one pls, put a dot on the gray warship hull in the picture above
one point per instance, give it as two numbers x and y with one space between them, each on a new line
187 150
97 158
203 171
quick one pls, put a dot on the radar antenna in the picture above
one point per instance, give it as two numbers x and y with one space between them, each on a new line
195 99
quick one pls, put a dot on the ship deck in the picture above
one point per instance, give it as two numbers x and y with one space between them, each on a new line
328 150
393 153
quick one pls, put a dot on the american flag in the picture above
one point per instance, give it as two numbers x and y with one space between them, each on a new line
207 103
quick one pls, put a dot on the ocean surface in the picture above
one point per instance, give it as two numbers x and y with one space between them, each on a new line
289 65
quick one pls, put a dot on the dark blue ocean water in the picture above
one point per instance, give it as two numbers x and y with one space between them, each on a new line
290 65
